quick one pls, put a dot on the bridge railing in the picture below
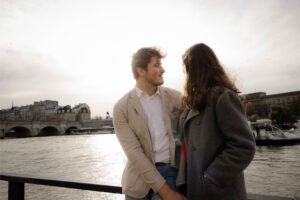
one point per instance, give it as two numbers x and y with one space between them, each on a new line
16 187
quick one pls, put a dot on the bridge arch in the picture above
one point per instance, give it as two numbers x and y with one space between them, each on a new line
18 131
49 131
69 129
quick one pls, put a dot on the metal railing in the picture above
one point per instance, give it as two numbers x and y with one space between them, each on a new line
16 187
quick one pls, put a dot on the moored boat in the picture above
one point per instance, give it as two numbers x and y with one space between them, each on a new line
268 134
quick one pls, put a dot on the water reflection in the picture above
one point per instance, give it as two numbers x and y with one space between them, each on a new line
274 171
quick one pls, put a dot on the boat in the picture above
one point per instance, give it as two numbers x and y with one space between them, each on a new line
266 133
86 131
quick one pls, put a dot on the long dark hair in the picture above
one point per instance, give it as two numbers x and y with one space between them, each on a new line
203 71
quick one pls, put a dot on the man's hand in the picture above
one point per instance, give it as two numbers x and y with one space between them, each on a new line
167 193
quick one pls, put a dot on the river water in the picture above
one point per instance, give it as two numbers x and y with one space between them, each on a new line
100 159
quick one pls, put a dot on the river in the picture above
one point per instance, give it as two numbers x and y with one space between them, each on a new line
100 159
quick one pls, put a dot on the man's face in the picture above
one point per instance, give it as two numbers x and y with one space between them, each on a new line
154 73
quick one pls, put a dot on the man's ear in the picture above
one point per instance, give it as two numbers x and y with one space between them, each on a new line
140 71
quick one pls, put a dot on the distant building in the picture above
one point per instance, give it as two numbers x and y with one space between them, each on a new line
283 99
257 96
83 112
263 102
47 110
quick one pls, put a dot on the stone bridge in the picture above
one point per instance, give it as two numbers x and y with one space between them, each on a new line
44 128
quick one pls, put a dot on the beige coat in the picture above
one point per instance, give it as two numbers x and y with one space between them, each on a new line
140 174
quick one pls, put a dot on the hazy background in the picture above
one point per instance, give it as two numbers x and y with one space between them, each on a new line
79 51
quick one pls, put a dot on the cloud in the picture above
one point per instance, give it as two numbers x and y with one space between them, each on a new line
25 74
77 51
282 78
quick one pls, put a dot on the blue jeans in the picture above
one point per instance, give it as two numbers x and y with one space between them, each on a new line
169 173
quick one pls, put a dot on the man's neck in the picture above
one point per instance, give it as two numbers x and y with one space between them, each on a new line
145 87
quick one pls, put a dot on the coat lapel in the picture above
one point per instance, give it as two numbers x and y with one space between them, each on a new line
165 100
192 114
186 116
136 103
166 106
182 120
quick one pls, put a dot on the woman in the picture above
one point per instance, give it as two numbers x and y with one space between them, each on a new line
217 141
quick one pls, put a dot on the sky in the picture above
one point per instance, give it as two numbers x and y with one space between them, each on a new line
79 51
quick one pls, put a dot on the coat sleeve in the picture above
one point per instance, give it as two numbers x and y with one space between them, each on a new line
133 149
239 148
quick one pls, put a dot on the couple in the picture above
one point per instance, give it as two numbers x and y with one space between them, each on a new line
214 141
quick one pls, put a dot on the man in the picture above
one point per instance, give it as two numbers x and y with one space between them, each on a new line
144 121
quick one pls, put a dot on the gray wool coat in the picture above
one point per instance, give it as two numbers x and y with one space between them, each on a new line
220 147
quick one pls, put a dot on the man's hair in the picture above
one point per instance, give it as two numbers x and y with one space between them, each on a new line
142 58
203 71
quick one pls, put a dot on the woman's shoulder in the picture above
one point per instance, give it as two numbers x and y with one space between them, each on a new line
218 92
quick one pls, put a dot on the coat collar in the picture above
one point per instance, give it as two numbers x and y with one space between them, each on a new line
140 92
136 103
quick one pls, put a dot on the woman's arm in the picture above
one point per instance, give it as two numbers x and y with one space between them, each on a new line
239 148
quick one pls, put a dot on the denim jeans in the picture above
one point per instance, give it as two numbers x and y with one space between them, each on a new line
169 173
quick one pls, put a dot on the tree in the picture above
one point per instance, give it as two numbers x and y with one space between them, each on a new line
295 107
281 116
107 115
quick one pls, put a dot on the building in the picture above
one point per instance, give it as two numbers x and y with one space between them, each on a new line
47 110
283 99
260 103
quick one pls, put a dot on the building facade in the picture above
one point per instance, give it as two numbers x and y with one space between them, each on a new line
260 103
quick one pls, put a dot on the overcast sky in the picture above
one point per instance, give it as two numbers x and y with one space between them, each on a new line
79 51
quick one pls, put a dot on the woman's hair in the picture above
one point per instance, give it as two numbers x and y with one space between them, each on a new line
142 58
203 71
